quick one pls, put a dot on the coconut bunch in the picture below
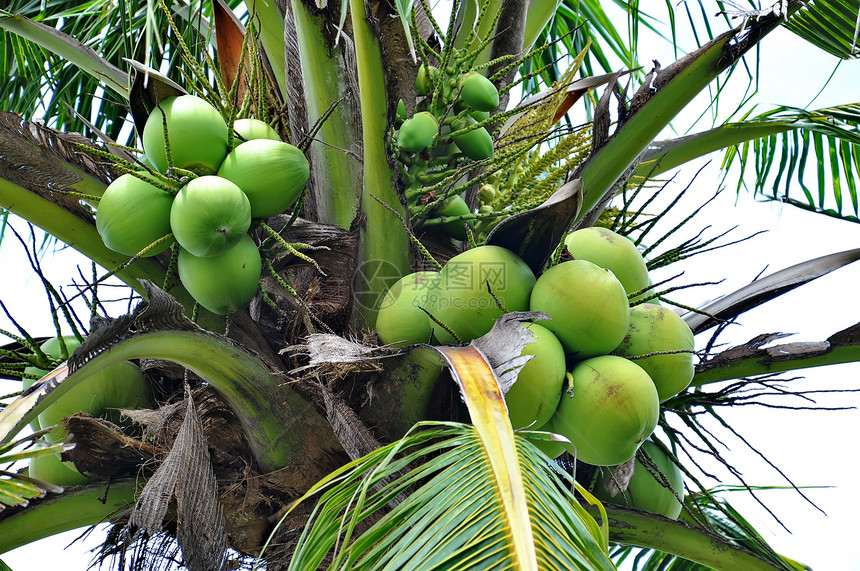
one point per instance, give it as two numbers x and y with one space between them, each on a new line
600 368
446 130
226 182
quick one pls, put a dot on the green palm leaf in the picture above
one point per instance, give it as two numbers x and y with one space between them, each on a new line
452 517
43 70
830 25
805 158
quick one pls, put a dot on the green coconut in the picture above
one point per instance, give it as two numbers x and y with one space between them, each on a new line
587 304
417 132
197 133
464 302
53 349
209 215
533 398
51 468
224 282
609 409
400 320
250 129
612 251
132 214
478 92
476 144
452 206
656 329
271 173
427 75
118 386
656 490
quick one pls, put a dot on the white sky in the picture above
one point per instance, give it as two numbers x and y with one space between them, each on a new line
814 449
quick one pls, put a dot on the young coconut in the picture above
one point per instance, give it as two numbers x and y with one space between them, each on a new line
478 92
646 491
654 329
250 129
587 304
452 206
417 132
427 75
611 251
476 144
465 303
400 320
224 282
54 349
609 409
51 468
197 133
533 398
209 215
271 173
132 214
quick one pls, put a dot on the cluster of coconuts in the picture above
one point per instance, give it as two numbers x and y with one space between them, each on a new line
446 127
233 180
118 386
600 368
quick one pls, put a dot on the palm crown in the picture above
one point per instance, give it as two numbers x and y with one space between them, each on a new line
284 424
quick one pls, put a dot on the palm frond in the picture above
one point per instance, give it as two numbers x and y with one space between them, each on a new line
820 155
830 25
805 158
765 289
38 80
451 518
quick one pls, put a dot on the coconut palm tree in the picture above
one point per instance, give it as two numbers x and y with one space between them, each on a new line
285 433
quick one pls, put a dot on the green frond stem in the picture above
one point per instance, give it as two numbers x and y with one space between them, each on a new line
74 508
663 156
778 359
383 238
539 14
274 418
604 168
632 527
336 169
69 49
78 233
